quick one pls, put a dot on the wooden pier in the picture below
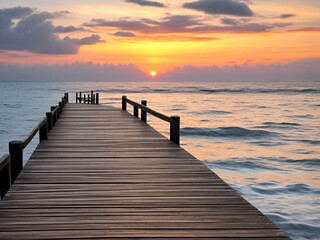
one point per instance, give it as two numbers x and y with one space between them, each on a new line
101 173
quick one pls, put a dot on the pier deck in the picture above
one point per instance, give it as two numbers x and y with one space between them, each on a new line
104 174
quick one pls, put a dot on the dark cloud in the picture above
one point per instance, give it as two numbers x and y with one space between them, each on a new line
146 3
124 34
25 29
287 15
69 29
93 39
229 21
174 24
227 7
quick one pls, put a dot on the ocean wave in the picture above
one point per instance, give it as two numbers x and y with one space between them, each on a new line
286 189
314 164
226 132
242 164
213 112
260 90
279 125
307 164
266 143
312 142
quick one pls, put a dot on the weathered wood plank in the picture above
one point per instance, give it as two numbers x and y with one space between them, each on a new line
104 174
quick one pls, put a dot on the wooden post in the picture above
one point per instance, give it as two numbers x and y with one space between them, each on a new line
84 98
43 132
16 153
89 100
76 97
175 129
67 97
80 97
136 111
144 113
92 101
58 113
63 101
60 107
5 175
97 98
50 120
124 103
54 115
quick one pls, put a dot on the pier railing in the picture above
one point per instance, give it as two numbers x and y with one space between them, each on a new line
11 165
5 175
173 120
92 98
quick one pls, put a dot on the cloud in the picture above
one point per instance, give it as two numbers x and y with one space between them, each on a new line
229 21
147 3
174 23
77 71
179 24
124 34
69 29
226 7
93 39
303 70
287 15
25 29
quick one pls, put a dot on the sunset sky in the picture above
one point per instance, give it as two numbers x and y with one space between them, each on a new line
159 35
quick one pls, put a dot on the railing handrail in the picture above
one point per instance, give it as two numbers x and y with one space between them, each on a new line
149 110
29 138
43 127
173 120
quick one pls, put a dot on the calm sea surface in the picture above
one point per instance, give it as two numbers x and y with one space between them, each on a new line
262 139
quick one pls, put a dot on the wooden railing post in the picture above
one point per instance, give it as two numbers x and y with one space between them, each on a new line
136 111
144 113
76 97
55 117
124 103
16 153
67 97
63 101
84 99
175 129
92 101
60 107
50 120
97 98
58 112
5 175
43 132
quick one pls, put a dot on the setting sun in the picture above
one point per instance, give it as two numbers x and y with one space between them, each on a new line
153 73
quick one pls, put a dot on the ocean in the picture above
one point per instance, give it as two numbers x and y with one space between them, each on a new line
261 138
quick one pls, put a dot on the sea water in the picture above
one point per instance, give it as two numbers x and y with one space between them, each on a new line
261 138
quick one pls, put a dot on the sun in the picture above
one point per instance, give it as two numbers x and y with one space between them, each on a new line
153 73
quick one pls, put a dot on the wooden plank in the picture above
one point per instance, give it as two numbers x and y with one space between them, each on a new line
104 174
